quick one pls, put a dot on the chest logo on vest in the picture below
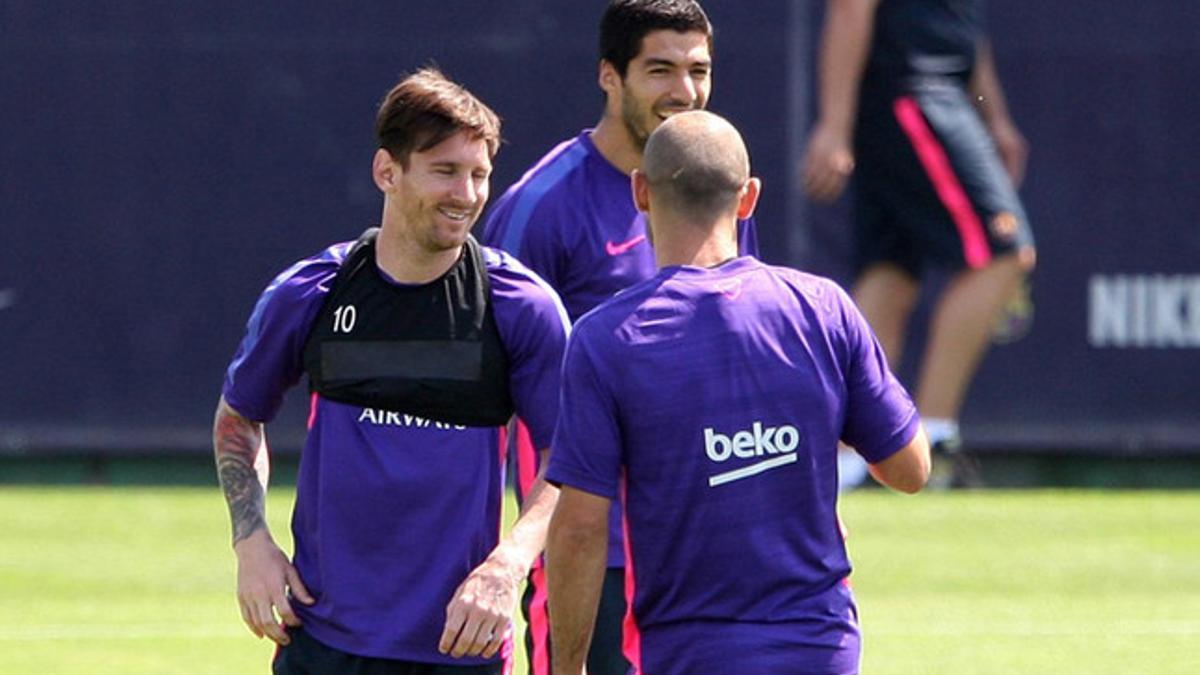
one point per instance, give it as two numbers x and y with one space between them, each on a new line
613 248
389 418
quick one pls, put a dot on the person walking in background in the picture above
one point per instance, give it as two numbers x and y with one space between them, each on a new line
709 400
910 104
572 220
418 345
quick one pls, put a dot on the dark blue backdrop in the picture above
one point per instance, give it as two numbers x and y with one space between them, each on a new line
160 162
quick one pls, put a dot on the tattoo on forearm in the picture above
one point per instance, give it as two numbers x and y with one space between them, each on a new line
236 442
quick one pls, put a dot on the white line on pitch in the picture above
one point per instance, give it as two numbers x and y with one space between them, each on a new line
92 632
1138 629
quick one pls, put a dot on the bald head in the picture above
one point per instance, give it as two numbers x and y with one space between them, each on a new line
696 164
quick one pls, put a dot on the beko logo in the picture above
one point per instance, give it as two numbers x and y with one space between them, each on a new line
778 444
754 442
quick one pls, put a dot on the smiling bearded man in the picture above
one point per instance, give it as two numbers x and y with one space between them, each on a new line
419 345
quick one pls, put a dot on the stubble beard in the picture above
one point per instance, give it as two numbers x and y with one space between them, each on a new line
431 237
638 126
438 240
630 119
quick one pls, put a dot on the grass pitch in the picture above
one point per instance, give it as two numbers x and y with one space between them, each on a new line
136 580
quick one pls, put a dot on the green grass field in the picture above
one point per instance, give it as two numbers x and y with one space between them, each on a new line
137 580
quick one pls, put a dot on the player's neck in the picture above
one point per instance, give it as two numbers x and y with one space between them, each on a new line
696 246
614 143
406 261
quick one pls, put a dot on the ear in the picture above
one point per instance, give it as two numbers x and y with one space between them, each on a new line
749 198
385 171
641 190
609 79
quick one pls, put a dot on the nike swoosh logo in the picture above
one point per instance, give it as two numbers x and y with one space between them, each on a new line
618 249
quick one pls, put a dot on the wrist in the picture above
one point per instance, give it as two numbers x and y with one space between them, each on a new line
510 565
999 125
256 537
836 126
994 114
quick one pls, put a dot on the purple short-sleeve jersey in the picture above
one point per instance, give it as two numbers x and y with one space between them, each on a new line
571 219
711 402
392 510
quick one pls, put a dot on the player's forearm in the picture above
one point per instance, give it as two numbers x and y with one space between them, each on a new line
845 44
985 88
576 549
906 470
240 451
527 537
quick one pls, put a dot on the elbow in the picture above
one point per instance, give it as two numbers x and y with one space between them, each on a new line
908 470
920 477
574 533
911 485
579 523
865 9
914 480
567 544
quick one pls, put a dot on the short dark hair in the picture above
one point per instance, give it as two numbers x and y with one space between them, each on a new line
425 108
626 22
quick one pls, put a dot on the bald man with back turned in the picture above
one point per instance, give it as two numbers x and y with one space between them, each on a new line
710 400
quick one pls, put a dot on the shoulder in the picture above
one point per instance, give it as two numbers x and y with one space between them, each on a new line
551 172
811 302
549 185
596 337
602 322
518 290
819 291
829 308
307 280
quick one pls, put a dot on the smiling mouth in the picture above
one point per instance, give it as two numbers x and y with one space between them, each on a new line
458 215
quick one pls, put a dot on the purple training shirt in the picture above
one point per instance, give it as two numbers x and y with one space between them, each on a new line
393 511
711 402
571 219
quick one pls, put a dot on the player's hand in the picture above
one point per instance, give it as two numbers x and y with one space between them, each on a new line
264 578
1012 148
827 164
479 617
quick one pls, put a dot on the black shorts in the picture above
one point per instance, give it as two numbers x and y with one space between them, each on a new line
308 656
605 655
929 186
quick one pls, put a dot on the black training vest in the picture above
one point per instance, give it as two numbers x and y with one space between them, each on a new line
431 350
